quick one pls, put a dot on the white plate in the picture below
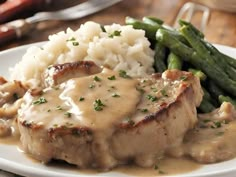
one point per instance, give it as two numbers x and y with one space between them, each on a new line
17 162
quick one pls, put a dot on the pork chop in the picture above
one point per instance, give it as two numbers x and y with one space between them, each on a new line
213 139
109 118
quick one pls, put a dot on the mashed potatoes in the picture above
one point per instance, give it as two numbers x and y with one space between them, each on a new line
117 47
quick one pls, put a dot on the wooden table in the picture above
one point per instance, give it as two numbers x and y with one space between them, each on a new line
221 27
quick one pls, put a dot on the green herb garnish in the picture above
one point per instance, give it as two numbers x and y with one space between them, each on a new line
59 108
71 39
123 74
154 89
183 78
41 100
140 90
115 33
75 43
217 124
96 78
144 110
164 93
130 122
102 28
67 114
112 78
81 98
115 95
15 96
152 98
91 86
98 105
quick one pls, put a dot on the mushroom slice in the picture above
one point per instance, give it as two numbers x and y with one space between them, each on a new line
11 91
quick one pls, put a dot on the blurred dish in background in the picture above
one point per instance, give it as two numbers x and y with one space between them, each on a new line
226 5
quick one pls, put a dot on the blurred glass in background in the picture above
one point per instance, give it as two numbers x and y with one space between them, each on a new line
226 5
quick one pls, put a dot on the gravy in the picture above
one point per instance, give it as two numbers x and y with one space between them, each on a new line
87 101
10 140
166 166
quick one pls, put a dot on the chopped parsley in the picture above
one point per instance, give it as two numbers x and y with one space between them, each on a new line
71 39
75 43
15 96
81 98
123 74
115 95
130 122
216 125
91 86
41 100
152 98
159 171
59 108
67 114
164 93
154 89
115 33
96 78
69 124
102 28
144 110
112 78
98 105
183 78
140 90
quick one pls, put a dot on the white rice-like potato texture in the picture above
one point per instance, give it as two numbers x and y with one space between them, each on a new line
129 51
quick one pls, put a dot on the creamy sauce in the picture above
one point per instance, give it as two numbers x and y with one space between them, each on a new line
101 103
10 140
166 166
87 101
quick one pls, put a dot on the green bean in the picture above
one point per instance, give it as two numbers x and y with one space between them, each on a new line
152 20
197 32
198 73
206 50
188 54
231 61
206 95
206 106
223 98
214 89
151 29
174 61
159 58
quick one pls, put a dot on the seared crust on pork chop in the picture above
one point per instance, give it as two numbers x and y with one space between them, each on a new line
164 109
59 73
